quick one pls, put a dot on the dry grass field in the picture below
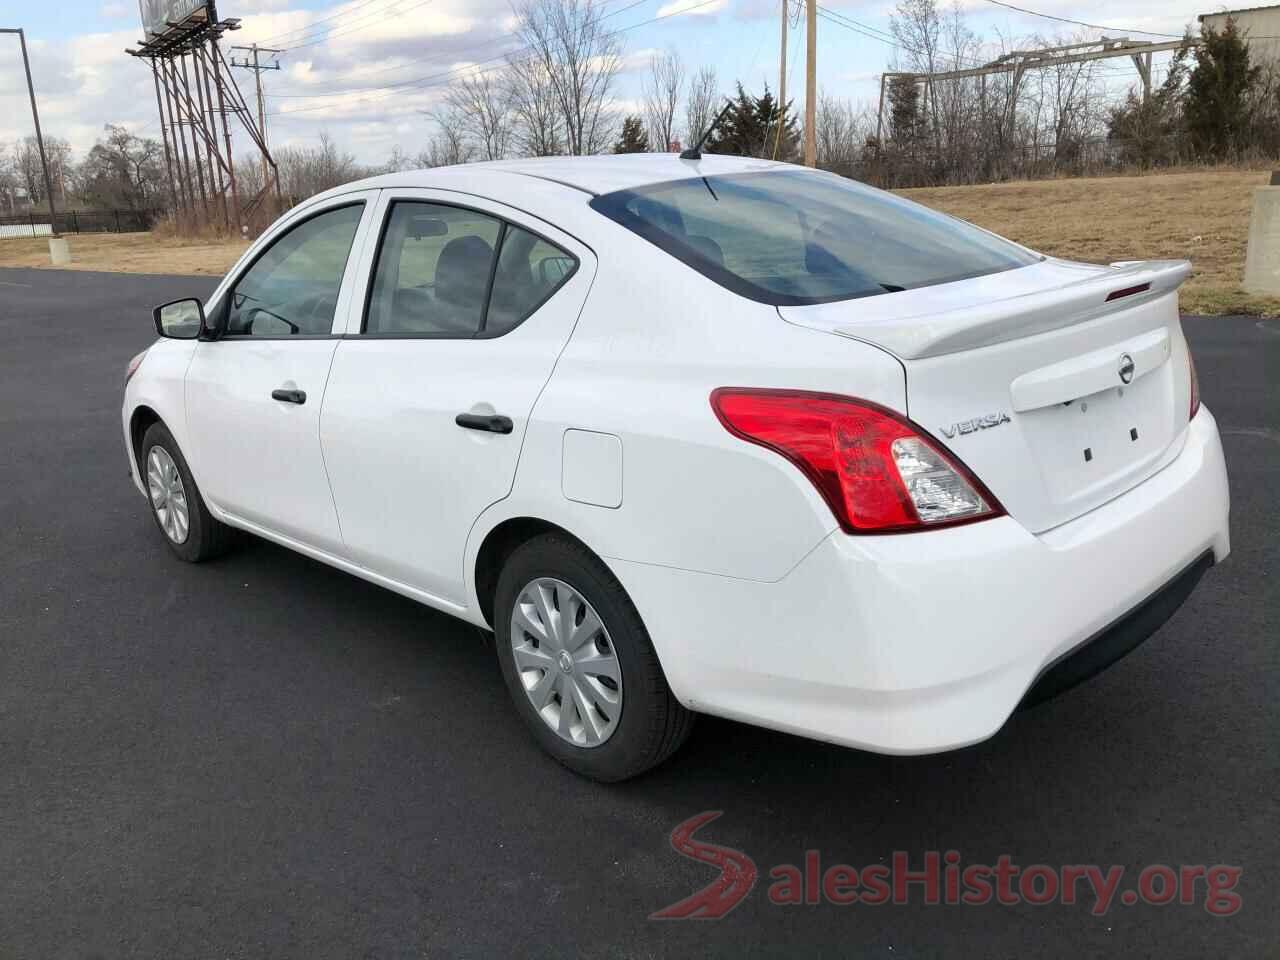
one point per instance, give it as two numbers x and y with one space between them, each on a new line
129 253
1202 216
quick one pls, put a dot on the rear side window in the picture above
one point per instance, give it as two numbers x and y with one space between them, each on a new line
433 271
792 238
529 270
451 272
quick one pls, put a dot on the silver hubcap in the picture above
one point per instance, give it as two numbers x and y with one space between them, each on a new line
566 662
168 498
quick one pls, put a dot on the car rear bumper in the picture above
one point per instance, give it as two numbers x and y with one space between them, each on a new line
927 642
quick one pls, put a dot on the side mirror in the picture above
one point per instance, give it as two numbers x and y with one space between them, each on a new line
180 319
552 270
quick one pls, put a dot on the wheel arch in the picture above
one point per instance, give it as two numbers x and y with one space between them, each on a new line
498 544
140 421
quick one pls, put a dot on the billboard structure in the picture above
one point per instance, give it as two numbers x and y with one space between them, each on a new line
158 15
199 103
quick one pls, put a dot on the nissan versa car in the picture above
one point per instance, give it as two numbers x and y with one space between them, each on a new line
699 436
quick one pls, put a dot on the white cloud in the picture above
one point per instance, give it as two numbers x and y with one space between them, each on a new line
635 60
693 8
756 9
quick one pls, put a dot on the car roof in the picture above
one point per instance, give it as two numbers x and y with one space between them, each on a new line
593 175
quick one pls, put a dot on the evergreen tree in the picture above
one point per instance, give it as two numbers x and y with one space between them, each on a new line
1217 108
906 122
1148 132
634 139
751 129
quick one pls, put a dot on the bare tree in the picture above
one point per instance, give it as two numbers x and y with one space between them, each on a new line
26 161
8 179
249 182
539 125
956 106
702 104
840 130
305 171
450 144
483 101
122 170
581 59
59 154
917 26
398 160
966 124
1068 104
663 88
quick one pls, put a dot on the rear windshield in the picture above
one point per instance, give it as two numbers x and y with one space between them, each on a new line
791 237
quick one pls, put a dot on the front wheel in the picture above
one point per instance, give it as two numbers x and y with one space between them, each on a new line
176 504
579 665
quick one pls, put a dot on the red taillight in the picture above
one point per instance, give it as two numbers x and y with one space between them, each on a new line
1195 385
877 471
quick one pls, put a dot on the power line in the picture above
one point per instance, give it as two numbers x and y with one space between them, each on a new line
378 16
308 27
447 75
257 67
1082 23
488 44
425 81
875 33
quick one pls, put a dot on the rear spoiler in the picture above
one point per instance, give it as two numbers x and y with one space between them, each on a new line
995 321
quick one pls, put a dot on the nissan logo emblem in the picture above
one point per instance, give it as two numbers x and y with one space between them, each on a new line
1126 368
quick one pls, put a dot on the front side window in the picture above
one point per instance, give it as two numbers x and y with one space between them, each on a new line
451 272
292 289
792 238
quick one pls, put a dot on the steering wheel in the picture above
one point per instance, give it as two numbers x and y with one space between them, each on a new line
319 306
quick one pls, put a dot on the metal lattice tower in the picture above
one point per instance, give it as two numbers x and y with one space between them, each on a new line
195 96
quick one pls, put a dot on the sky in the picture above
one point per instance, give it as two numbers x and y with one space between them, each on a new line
364 71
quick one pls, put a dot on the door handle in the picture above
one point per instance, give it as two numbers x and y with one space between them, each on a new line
289 396
494 423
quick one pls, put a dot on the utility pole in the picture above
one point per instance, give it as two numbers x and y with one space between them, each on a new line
811 86
782 80
257 69
880 116
35 115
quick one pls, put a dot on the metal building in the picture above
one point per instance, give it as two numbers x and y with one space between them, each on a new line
1260 25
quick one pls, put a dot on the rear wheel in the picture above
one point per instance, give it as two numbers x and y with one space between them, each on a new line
579 665
176 504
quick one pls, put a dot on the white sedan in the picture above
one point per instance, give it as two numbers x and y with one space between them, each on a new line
717 436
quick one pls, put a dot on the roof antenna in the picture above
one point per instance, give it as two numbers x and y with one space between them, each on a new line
695 152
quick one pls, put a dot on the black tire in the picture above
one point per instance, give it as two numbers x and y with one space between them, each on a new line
206 536
653 724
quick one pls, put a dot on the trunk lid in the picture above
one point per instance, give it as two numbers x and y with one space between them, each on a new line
1060 385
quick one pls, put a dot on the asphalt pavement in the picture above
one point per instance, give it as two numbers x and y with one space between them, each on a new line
265 757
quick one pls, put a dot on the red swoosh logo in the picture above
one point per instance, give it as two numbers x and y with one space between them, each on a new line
737 874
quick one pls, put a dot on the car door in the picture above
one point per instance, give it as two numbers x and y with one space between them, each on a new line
254 394
466 308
